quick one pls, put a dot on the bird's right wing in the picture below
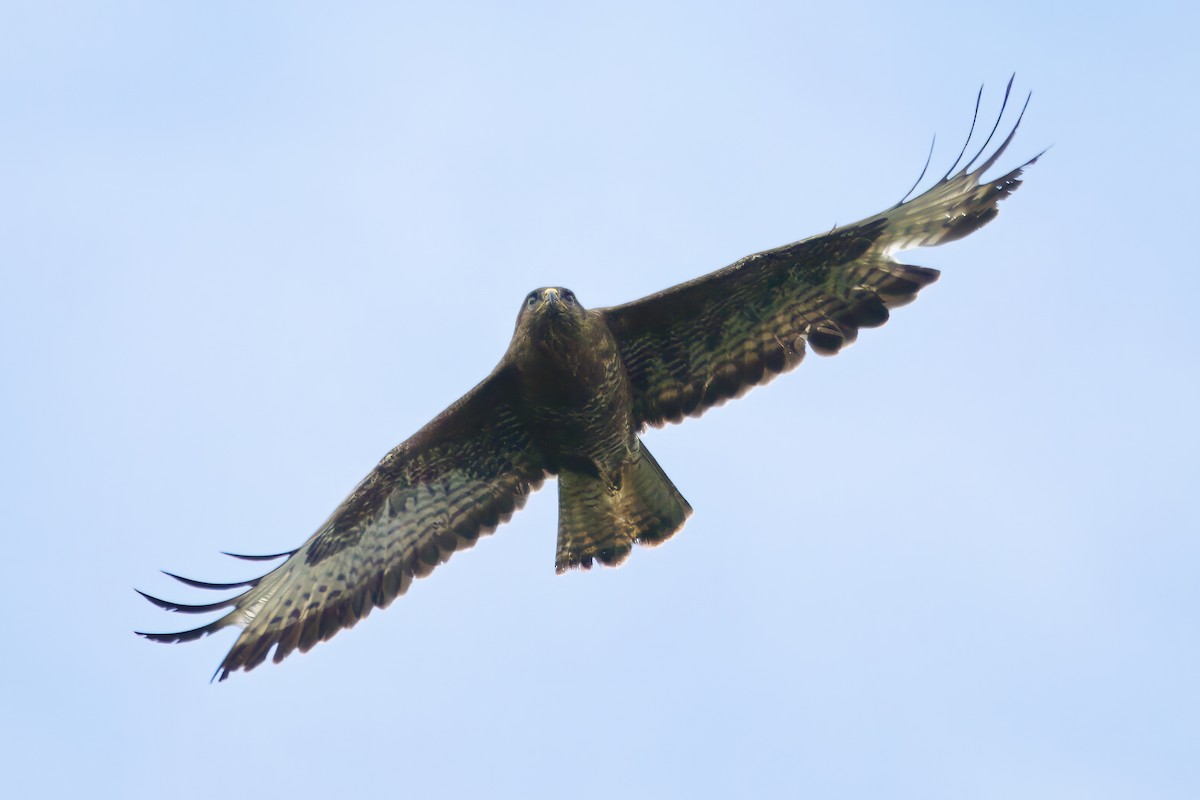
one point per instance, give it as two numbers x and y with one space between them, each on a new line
460 476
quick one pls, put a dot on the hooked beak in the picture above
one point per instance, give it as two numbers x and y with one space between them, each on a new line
552 301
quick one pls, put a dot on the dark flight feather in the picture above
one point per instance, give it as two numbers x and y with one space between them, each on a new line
700 343
460 477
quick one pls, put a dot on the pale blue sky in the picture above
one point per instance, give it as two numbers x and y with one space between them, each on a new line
248 248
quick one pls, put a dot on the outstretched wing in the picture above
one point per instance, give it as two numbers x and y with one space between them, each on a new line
459 477
697 344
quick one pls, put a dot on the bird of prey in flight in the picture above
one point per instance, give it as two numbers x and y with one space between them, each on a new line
570 397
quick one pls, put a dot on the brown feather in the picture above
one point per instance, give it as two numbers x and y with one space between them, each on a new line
695 345
469 469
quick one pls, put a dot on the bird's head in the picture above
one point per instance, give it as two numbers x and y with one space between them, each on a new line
550 317
550 306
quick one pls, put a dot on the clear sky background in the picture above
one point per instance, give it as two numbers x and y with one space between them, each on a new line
246 248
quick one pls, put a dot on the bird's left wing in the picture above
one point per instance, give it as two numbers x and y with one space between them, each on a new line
697 344
459 477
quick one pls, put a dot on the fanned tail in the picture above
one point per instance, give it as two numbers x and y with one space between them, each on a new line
596 523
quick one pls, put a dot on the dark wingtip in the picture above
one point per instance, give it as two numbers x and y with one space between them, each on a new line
995 126
166 637
184 607
271 557
970 133
924 169
206 585
170 637
994 157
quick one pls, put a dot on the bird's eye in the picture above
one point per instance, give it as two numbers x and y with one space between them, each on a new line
568 297
531 299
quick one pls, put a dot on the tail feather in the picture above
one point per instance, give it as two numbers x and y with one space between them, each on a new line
597 523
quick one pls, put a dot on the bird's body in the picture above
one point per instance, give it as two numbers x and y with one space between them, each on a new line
570 397
574 391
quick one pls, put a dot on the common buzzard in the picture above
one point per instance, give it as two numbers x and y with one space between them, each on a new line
570 397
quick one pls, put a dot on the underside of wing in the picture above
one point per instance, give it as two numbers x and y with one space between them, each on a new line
460 477
700 343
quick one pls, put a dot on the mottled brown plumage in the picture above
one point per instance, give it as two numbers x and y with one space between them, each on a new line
569 398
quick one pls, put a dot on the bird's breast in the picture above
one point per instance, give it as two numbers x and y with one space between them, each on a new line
577 401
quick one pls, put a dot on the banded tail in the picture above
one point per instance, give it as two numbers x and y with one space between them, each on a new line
596 523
